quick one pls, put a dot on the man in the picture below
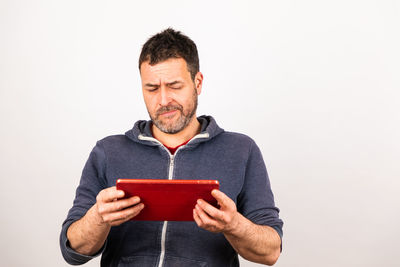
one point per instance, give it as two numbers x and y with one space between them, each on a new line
175 144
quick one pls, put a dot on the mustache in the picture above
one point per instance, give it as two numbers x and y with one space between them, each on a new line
168 108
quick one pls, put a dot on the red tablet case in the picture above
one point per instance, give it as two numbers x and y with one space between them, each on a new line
168 200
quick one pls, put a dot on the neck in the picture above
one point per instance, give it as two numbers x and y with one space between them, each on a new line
173 140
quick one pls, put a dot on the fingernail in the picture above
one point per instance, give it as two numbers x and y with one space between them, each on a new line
199 201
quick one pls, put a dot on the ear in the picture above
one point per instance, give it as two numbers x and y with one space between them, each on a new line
198 82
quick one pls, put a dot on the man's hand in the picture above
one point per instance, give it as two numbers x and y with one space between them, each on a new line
216 220
113 210
88 234
258 243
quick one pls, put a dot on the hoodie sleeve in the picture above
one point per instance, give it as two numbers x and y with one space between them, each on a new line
91 183
256 200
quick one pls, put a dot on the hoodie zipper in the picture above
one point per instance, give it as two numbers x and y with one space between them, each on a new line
170 177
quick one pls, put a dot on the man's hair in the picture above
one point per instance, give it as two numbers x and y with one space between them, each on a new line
171 44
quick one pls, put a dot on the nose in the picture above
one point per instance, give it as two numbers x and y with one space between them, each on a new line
165 96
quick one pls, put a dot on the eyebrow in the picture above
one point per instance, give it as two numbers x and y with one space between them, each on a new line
151 85
173 83
168 84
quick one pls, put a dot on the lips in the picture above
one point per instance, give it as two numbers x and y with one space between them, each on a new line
169 113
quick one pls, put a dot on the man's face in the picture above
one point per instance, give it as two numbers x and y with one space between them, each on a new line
170 94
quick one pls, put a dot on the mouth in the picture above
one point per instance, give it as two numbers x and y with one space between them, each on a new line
169 113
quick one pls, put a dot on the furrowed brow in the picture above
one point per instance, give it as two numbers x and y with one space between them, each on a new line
151 85
174 83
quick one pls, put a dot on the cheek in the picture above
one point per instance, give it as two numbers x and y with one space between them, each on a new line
183 99
149 102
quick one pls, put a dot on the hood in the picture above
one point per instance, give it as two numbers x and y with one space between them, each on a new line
142 128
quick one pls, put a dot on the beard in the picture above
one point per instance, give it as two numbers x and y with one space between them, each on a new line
185 116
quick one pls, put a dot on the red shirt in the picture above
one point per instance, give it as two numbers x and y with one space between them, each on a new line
173 149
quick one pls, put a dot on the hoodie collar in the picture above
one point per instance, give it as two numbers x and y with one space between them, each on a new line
141 131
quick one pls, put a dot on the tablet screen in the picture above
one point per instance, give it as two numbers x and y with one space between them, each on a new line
168 200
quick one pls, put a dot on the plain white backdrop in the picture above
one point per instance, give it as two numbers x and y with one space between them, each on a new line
314 83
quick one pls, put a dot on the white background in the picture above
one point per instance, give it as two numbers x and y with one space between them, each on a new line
314 83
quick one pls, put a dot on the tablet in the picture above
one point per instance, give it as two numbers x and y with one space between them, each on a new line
168 200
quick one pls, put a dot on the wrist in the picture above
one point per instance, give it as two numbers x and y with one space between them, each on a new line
95 218
236 226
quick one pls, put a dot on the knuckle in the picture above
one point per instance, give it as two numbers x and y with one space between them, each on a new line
206 221
101 210
128 214
106 219
119 205
123 217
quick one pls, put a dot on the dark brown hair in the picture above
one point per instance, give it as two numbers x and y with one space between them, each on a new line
171 44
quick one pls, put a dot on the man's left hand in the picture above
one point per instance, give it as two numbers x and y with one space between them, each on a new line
224 219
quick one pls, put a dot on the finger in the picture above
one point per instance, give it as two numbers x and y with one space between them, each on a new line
223 200
197 218
210 210
118 205
207 223
206 220
126 217
110 194
123 215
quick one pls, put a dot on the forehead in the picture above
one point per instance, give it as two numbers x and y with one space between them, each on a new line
170 69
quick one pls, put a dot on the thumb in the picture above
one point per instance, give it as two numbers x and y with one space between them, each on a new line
223 200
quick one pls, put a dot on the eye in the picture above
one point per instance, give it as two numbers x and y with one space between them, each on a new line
176 87
152 89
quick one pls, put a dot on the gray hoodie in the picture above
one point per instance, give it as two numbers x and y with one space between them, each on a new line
231 158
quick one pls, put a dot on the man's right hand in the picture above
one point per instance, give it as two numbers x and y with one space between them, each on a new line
88 234
113 210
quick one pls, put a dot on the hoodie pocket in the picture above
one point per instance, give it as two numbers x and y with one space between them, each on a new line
138 261
170 261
